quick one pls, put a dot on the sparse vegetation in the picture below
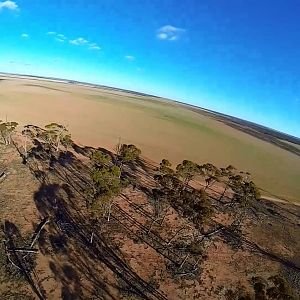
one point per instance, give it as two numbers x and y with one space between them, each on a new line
109 220
6 131
106 184
56 135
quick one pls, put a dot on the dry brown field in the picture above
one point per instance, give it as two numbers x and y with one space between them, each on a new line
162 129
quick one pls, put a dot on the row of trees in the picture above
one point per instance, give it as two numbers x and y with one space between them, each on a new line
107 178
106 181
195 204
54 135
240 183
173 184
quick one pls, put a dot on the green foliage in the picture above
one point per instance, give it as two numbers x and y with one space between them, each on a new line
202 207
56 134
211 173
193 204
33 131
106 180
245 190
128 153
106 184
100 206
187 170
100 159
6 130
170 183
165 167
66 139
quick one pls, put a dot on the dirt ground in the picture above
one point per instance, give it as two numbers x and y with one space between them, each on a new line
161 129
125 255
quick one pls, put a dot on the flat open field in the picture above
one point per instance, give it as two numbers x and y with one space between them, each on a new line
98 117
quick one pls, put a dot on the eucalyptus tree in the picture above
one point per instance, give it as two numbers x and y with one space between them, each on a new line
211 174
196 206
186 171
165 167
244 190
128 153
100 159
169 183
245 195
6 131
28 135
161 207
57 135
106 184
225 175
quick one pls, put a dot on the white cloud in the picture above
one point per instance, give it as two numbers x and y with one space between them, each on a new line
8 5
60 36
79 41
94 46
130 57
57 36
60 40
169 33
24 35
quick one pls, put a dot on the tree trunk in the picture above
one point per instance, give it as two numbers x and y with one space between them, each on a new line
121 169
92 237
109 211
24 250
57 142
36 236
223 194
25 147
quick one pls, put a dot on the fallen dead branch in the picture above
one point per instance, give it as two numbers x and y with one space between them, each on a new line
36 235
23 250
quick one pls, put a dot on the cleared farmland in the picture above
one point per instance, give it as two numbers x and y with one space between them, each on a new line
99 117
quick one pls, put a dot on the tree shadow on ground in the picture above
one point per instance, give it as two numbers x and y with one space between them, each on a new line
60 198
70 280
71 231
18 265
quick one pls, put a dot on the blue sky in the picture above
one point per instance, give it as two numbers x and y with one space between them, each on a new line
239 57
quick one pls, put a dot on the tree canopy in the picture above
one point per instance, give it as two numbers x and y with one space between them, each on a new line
128 153
56 135
187 170
6 130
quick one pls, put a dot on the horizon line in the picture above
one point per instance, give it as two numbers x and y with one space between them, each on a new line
66 80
